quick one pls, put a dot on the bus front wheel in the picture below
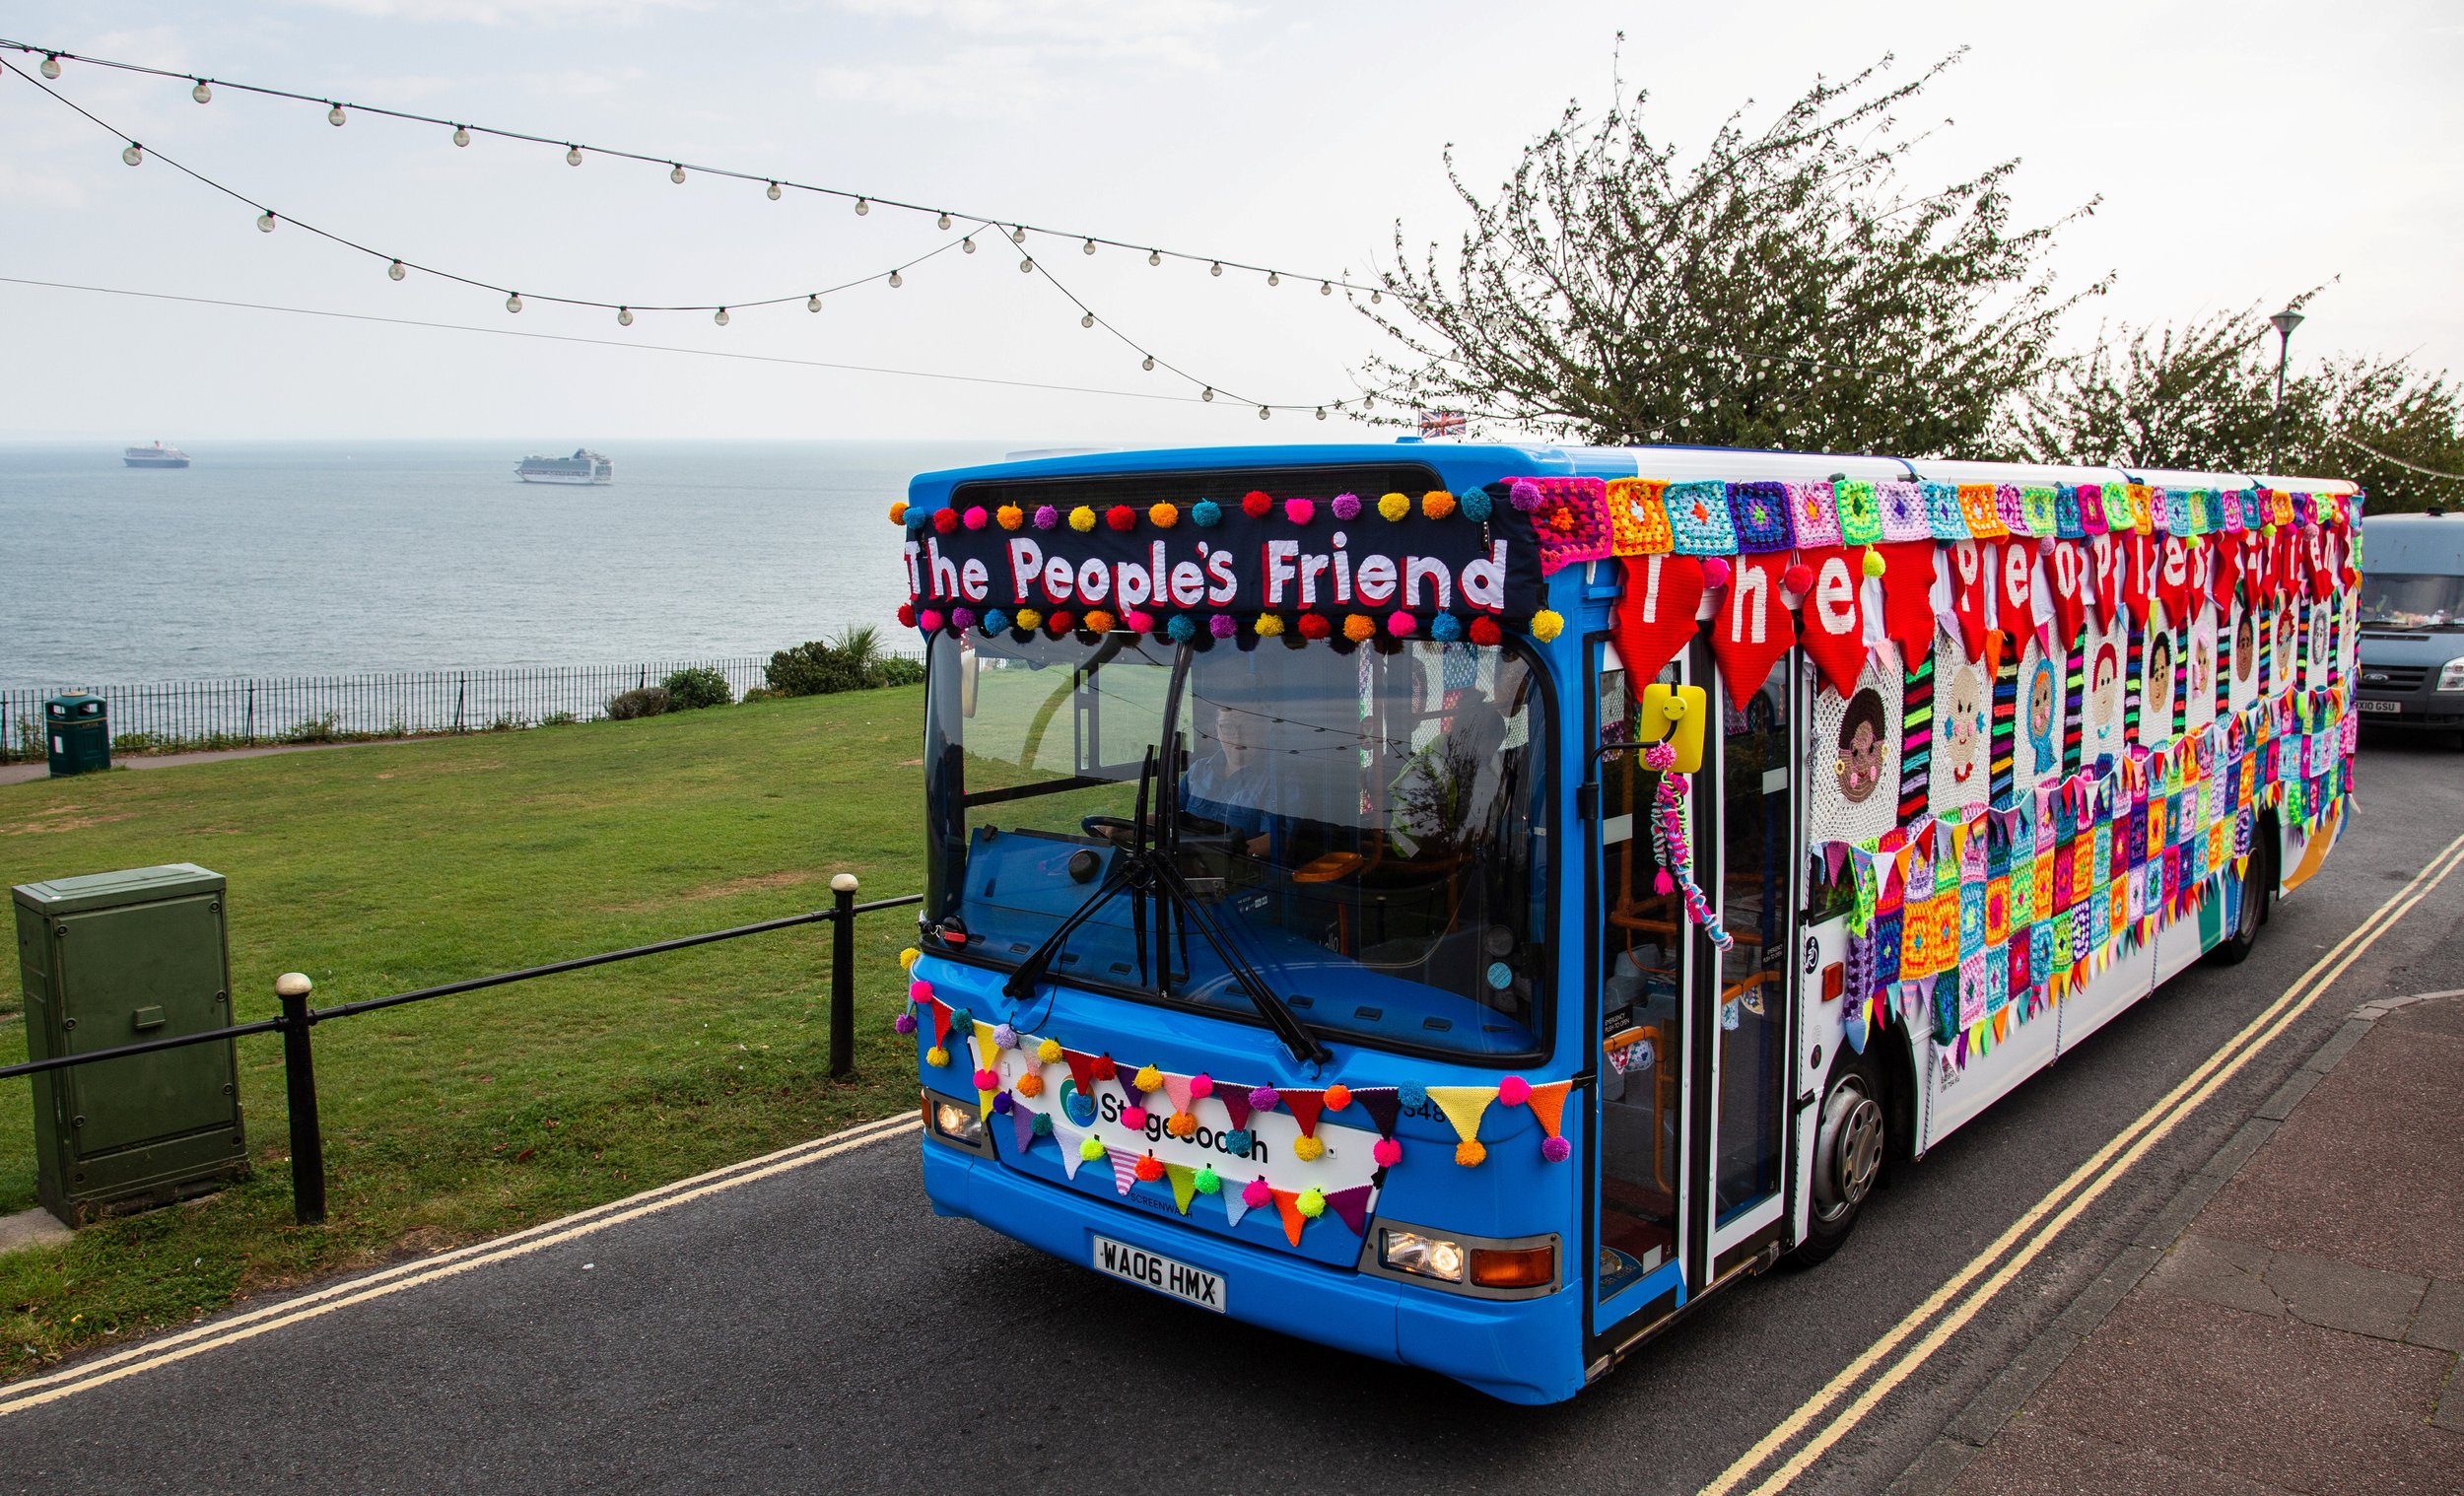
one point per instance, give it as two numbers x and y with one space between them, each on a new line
1849 1147
2258 888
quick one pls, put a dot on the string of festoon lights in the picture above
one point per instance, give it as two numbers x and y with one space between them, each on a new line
964 228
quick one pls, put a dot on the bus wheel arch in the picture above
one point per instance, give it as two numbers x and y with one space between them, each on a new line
1856 1134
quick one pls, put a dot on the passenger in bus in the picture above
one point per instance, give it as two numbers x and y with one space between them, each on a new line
1445 797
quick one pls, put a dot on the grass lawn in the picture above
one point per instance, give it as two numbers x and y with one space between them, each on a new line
379 868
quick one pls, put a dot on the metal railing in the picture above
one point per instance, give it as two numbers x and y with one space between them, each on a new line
235 713
297 1020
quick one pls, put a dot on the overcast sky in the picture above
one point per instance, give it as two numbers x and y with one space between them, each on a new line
2242 150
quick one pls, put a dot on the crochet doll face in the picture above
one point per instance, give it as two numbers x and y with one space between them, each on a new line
1862 734
1964 724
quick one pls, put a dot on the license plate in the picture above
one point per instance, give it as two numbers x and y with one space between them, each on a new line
2370 706
1136 1265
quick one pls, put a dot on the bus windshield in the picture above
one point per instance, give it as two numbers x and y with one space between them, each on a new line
1363 828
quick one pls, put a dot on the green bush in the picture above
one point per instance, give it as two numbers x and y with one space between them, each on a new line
693 688
646 700
853 661
898 670
558 720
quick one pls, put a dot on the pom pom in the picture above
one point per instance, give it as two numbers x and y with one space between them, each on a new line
1140 620
1148 1078
1556 1149
1061 622
1122 517
1134 1118
1256 1194
1337 1097
929 620
1206 514
1401 624
1098 621
1208 1180
937 1056
945 520
1308 1149
1103 1068
1446 628
962 619
904 1023
1163 516
988 1080
1181 629
1264 1098
1042 1127
1312 1203
1002 1103
1437 504
1045 516
1360 627
1875 565
1513 1090
917 518
1798 578
1150 1169
1005 1037
1031 1084
994 622
1469 1154
1661 884
906 615
1238 1141
1029 619
1485 632
975 517
1082 519
908 958
1477 504
1223 626
1268 625
961 1019
1255 504
1299 511
1201 1086
1524 494
1090 1149
1386 1152
1394 507
1346 506
1011 516
1715 570
1412 1098
1049 1051
920 991
1181 1125
898 512
1312 625
1548 624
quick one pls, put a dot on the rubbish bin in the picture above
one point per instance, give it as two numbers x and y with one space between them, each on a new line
79 730
115 959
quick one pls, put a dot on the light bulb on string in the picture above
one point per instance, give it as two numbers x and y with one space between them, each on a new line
1264 413
943 222
968 243
1207 394
1088 247
461 135
135 155
1087 320
1273 278
1326 287
813 302
863 206
1375 297
514 303
721 317
1147 362
265 222
573 155
334 117
1025 266
773 192
1321 412
396 271
51 64
1018 235
897 280
675 174
1154 258
201 94
624 316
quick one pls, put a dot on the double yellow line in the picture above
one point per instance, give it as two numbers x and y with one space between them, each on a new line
2037 1229
102 1371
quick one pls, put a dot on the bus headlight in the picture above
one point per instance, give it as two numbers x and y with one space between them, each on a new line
956 1122
1423 1257
2451 675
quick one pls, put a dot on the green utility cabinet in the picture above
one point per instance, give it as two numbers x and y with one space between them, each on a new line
77 728
115 959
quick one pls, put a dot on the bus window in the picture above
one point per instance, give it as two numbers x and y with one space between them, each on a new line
1642 1013
1754 858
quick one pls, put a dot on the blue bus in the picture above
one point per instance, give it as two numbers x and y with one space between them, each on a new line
1465 904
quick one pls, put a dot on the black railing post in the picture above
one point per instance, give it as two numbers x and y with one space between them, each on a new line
298 1069
843 978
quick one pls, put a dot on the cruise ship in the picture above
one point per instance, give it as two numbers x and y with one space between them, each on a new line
582 467
157 455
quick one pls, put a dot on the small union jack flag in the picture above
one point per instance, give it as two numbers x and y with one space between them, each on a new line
1441 423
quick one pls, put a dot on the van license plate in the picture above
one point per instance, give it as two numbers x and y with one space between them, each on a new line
1191 1285
2370 706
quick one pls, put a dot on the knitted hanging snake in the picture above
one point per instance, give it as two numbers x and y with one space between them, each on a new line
1673 841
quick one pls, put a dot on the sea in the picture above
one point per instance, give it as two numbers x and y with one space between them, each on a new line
328 558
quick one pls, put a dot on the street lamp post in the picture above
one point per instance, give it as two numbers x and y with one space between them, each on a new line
2284 323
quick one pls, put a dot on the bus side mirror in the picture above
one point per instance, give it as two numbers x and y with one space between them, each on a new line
1677 713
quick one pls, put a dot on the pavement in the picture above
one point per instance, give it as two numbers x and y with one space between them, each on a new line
804 1323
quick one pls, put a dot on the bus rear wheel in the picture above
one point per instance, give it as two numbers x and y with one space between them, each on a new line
1850 1144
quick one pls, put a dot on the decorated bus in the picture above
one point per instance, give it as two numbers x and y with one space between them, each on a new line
1464 904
